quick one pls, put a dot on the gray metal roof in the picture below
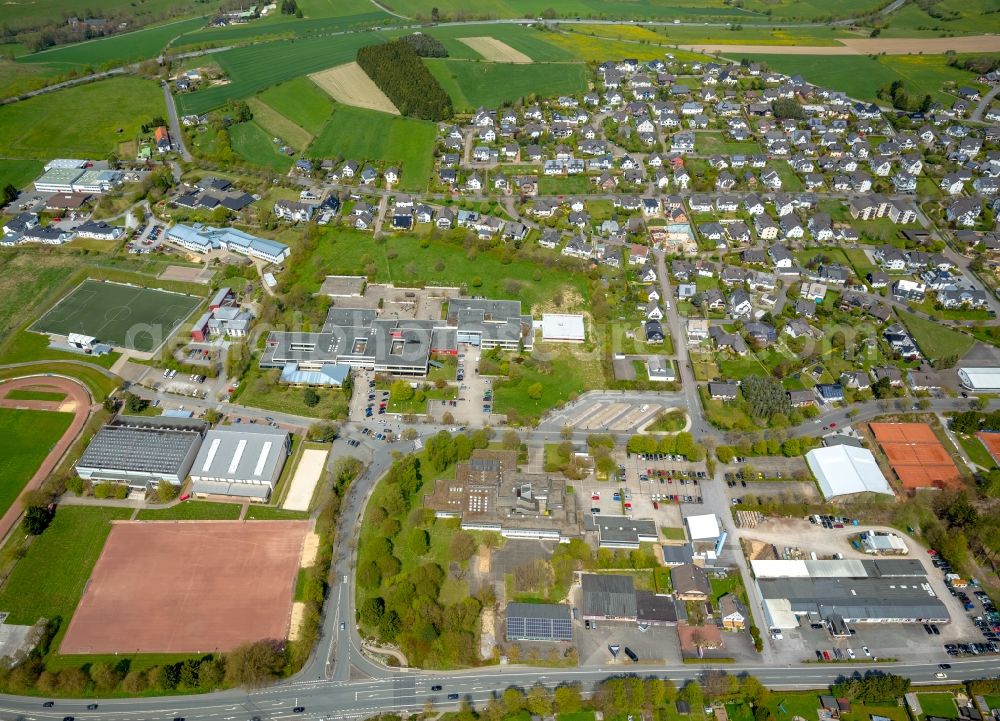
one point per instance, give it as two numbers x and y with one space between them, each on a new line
608 595
241 453
142 445
867 598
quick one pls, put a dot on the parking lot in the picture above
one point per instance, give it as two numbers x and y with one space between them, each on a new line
474 403
901 641
635 498
655 644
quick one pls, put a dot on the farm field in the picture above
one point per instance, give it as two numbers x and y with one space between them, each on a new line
525 39
495 50
18 15
18 172
350 85
861 76
471 85
597 49
117 49
255 145
37 127
282 26
278 125
254 68
302 102
17 78
366 134
26 437
50 579
745 34
637 10
964 16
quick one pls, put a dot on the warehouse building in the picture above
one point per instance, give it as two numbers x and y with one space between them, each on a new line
842 592
538 622
845 470
621 531
562 328
244 461
142 451
980 380
609 597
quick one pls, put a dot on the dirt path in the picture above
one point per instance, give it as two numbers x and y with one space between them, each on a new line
863 46
77 402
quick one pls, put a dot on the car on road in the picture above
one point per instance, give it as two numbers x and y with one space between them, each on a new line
453 697
91 706
435 688
939 674
48 704
944 665
298 709
343 626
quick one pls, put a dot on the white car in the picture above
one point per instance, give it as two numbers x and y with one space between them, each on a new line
940 675
868 653
850 652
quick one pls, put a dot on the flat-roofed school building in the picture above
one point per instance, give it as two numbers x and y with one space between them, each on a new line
244 461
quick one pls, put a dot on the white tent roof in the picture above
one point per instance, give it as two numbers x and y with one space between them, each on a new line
703 528
980 379
843 470
560 326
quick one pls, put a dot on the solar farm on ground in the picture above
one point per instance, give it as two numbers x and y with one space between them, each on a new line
916 455
125 316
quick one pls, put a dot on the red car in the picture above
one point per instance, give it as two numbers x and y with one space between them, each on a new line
833 425
185 496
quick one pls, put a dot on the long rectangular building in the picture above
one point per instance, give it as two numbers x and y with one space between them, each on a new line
141 451
243 461
357 337
200 238
847 591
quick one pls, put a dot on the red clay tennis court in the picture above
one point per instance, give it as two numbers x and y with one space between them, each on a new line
916 455
992 443
188 587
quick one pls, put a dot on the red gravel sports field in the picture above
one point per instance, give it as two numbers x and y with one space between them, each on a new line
188 587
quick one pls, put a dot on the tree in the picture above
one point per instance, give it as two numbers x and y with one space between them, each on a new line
787 108
9 193
401 391
535 391
322 432
371 611
166 491
511 441
463 545
567 698
105 676
254 664
310 397
765 396
882 388
134 404
37 519
966 422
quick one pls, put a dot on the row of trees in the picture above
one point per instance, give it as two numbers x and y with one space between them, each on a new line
397 70
251 665
789 447
681 444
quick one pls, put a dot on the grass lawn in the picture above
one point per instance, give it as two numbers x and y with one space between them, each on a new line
270 513
402 260
301 101
992 701
714 142
935 340
472 84
569 376
50 579
192 511
363 134
278 125
576 716
29 395
568 185
37 127
415 405
260 392
938 704
18 172
99 384
673 534
26 437
255 145
670 422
